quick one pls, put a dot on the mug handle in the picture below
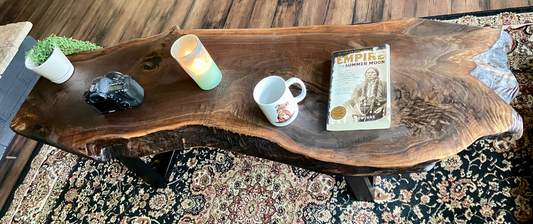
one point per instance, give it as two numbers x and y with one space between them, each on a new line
295 80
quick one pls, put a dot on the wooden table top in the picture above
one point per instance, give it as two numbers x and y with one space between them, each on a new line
438 108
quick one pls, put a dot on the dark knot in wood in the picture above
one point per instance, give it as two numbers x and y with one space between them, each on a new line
152 62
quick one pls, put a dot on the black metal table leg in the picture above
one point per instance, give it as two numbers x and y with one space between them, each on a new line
157 176
361 187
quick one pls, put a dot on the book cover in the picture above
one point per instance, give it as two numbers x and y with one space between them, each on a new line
359 97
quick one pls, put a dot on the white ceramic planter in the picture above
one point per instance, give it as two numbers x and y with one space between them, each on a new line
57 68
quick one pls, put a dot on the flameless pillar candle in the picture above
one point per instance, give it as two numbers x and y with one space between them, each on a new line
194 59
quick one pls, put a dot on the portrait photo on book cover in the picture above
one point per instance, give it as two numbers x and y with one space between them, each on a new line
368 101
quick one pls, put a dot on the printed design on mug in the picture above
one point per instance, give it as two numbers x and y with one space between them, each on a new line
284 112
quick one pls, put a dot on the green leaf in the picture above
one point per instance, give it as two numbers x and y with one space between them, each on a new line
41 51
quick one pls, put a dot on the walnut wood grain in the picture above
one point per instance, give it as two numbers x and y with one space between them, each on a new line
438 108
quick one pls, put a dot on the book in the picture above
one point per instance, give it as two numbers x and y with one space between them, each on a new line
359 97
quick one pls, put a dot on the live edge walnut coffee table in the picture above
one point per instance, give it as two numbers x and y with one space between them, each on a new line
438 108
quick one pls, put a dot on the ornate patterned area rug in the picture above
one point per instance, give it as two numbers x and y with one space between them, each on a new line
489 182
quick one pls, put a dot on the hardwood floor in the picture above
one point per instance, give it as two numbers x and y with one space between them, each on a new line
13 163
108 22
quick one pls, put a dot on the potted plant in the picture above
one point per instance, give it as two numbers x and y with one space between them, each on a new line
48 57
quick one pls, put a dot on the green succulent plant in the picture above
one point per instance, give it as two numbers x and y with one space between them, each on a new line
41 51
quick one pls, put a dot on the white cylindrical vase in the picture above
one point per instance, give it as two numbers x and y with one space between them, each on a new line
57 68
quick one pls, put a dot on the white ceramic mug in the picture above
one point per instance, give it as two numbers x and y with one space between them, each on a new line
273 96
